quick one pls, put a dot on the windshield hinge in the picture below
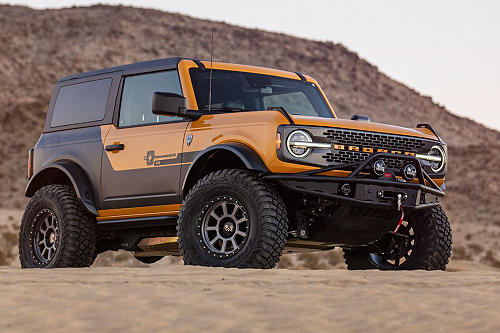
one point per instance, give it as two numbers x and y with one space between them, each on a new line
302 77
199 63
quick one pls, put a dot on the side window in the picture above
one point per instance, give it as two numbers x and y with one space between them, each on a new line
137 97
81 103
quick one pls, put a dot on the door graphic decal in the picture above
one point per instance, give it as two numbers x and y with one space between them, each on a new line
152 159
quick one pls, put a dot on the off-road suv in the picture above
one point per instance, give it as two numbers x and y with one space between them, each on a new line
227 165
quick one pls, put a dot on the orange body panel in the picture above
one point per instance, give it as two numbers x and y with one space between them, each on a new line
150 211
255 129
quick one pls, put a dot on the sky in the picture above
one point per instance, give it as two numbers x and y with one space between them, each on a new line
449 50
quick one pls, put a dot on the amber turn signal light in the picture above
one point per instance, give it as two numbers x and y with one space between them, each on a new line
278 141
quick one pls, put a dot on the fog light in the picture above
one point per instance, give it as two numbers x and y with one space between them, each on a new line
345 189
409 172
378 168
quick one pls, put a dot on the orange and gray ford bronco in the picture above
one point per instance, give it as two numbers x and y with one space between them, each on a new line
227 165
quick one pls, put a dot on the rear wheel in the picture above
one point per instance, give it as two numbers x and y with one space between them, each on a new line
56 230
232 218
426 245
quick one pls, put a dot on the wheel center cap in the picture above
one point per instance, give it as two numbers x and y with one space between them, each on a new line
52 238
228 227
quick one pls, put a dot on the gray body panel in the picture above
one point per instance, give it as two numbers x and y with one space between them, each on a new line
82 147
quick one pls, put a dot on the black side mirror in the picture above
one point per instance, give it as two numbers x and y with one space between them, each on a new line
173 105
359 117
169 104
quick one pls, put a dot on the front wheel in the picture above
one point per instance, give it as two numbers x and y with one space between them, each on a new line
232 218
427 245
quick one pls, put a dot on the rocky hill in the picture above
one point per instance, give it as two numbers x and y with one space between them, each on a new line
37 47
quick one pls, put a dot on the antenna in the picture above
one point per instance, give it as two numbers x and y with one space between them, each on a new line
210 84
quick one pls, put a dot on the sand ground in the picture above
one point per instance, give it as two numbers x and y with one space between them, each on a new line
194 299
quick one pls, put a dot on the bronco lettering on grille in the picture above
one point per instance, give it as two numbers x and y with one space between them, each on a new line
370 150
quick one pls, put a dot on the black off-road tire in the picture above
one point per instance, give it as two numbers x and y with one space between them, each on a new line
266 217
74 229
149 260
433 243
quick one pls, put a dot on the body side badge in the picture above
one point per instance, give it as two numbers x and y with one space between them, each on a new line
189 139
150 157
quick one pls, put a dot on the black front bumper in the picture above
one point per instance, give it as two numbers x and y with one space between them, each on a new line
371 209
366 190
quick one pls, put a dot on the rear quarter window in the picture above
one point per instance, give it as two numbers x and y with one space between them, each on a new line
81 103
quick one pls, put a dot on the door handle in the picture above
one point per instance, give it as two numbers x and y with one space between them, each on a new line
117 146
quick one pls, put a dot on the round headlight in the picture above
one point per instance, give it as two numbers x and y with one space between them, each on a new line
437 151
293 143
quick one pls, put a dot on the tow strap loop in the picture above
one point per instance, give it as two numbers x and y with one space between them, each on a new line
400 208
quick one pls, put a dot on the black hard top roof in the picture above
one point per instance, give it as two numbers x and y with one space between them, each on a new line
137 66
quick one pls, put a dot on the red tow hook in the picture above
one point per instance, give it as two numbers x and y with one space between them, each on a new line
400 207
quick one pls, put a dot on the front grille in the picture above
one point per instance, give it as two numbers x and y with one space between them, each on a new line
369 140
373 212
374 140
343 157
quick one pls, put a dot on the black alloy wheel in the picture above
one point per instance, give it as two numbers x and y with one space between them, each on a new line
44 237
224 226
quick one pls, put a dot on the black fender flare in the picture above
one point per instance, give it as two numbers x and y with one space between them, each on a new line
74 173
246 154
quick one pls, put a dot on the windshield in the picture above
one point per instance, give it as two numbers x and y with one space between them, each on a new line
240 91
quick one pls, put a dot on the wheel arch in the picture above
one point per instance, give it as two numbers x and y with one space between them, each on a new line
223 156
65 173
